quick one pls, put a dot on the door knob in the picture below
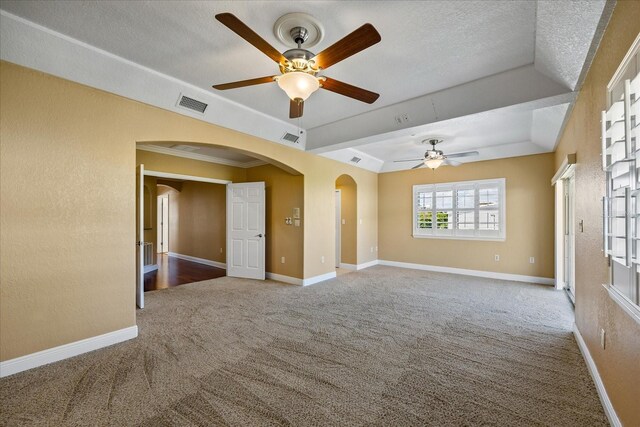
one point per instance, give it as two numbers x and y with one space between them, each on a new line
259 235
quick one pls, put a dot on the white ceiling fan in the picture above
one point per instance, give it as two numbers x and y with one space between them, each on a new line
434 158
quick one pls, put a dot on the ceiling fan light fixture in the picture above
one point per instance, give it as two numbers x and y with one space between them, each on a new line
298 85
433 163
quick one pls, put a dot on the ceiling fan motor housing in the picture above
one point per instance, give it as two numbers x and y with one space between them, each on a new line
299 60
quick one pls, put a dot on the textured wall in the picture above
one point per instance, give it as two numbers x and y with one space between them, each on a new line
283 192
529 216
349 214
67 176
619 364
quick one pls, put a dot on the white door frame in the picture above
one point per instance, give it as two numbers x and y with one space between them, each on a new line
560 182
163 224
140 237
338 197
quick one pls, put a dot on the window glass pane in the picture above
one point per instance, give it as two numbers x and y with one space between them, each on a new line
487 197
444 220
489 220
425 200
465 199
464 220
425 220
444 199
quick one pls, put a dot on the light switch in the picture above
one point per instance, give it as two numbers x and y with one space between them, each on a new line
296 213
296 222
344 221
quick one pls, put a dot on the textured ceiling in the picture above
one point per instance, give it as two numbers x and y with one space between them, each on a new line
426 46
492 76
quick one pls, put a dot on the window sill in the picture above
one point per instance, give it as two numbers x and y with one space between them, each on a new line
630 308
487 239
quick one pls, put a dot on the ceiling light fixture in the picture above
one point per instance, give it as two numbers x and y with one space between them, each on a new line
434 163
298 84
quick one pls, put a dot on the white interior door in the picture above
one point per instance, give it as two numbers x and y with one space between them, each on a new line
163 224
140 236
246 230
338 227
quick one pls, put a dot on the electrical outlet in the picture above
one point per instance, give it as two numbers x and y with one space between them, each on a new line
322 259
344 221
532 260
360 221
282 260
602 338
497 257
220 250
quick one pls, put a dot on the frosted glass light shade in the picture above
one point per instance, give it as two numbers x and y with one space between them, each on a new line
433 163
298 84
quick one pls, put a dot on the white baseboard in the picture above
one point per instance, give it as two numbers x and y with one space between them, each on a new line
150 268
593 370
348 266
367 264
318 279
300 282
55 354
282 278
199 260
477 273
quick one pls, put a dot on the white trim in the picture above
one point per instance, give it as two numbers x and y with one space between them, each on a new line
348 266
150 268
567 166
201 157
317 279
185 177
300 282
367 264
199 260
635 47
477 273
629 307
595 375
282 278
55 354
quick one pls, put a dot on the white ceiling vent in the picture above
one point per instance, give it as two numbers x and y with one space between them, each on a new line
192 104
355 160
289 137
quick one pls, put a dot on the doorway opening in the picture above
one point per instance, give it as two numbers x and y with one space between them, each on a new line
346 222
565 226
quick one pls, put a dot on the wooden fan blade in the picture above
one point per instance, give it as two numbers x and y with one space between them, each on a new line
349 90
451 163
243 83
241 29
467 154
362 38
419 165
408 160
296 107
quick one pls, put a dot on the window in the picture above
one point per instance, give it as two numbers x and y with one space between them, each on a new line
460 210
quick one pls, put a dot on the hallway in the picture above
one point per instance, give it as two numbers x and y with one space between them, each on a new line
174 271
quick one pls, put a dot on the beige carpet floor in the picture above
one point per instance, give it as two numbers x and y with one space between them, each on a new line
381 347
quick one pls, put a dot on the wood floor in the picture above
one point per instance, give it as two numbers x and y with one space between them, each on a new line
175 271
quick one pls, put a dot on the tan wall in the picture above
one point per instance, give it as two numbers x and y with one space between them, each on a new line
349 214
619 364
529 216
197 220
67 179
283 192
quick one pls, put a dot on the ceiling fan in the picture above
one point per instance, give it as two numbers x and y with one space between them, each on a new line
299 67
434 158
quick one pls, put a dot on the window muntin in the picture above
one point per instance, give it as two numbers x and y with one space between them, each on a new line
460 210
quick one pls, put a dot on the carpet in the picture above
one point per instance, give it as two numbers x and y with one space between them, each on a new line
381 347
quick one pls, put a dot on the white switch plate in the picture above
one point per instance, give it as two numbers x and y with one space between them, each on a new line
344 221
322 259
497 257
282 260
602 338
532 260
360 221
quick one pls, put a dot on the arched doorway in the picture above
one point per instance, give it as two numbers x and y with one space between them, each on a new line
346 223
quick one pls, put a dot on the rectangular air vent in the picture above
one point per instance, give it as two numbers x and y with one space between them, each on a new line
355 159
192 104
289 137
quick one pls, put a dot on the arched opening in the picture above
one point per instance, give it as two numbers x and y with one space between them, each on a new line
175 167
346 223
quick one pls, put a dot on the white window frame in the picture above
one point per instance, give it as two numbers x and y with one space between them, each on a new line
460 234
